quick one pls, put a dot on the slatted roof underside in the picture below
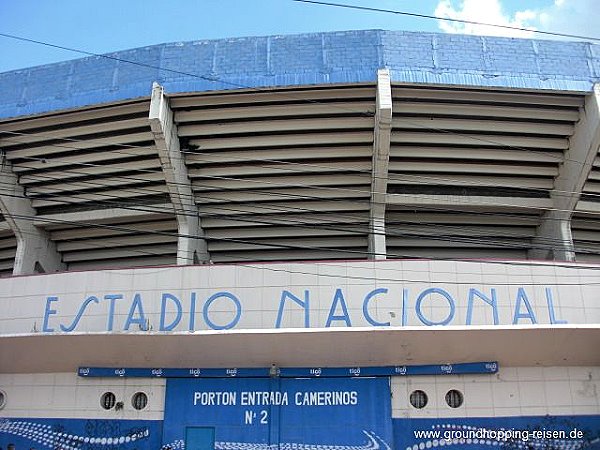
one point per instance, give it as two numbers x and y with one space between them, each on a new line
454 233
286 175
585 226
585 229
88 161
475 144
8 248
281 175
144 241
591 189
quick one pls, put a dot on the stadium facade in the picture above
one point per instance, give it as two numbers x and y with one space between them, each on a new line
350 240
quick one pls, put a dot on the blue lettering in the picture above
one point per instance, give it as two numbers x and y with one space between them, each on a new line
368 298
192 326
522 298
444 294
163 312
77 318
238 312
136 305
493 302
550 301
111 309
345 317
304 304
404 307
47 313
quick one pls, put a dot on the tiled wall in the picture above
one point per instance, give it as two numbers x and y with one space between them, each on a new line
65 395
513 391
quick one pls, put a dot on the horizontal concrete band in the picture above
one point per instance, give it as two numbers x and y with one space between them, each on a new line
551 345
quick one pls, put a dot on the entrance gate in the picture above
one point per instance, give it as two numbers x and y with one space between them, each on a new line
278 413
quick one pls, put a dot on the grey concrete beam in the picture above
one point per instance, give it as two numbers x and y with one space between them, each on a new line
35 251
379 171
191 245
554 239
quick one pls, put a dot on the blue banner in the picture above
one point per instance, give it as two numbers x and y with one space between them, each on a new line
289 413
80 434
293 372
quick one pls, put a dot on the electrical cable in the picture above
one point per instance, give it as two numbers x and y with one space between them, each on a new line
396 279
304 247
447 19
162 192
218 158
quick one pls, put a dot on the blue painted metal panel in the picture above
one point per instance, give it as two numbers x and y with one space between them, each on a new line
281 413
294 372
305 59
200 438
81 434
522 432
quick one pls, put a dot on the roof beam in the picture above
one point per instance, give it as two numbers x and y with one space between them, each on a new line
476 201
554 239
191 245
35 251
109 215
380 164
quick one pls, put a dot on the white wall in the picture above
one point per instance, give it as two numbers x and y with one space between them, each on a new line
65 395
513 391
574 292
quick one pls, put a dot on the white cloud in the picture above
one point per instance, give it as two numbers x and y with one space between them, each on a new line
561 16
577 17
484 11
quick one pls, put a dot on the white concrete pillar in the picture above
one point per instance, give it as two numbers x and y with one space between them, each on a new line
35 251
554 239
191 245
379 172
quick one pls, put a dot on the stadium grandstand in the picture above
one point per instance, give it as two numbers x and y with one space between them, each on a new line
333 240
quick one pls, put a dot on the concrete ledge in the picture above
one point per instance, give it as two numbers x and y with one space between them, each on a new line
551 345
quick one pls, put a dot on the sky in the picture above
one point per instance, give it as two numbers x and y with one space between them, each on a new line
111 25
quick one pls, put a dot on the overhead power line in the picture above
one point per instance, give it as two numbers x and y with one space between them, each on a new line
150 191
447 19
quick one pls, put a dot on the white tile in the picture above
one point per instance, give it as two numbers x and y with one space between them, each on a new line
532 394
586 409
556 373
584 393
561 410
534 410
558 393
478 395
506 395
580 373
530 373
479 412
452 412
507 374
507 411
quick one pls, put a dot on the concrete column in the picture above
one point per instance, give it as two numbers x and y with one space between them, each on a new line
191 245
36 253
554 239
381 159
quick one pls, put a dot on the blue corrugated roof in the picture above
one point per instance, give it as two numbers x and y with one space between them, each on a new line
317 58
